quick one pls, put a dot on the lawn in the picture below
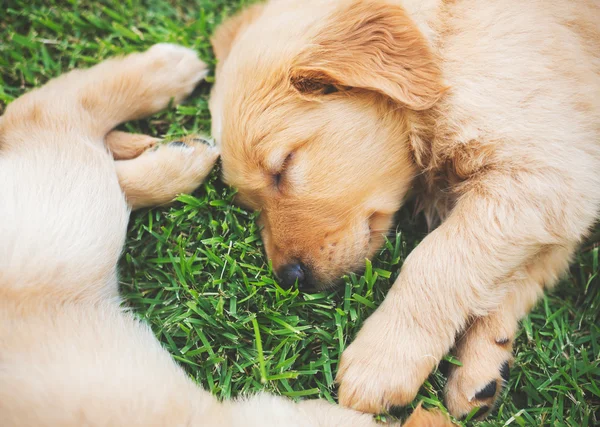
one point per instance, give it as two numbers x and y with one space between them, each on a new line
197 273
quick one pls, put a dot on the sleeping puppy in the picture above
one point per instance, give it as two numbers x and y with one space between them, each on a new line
328 112
69 354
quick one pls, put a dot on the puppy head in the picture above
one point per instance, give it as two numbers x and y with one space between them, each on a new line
312 110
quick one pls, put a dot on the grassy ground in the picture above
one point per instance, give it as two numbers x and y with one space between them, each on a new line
197 273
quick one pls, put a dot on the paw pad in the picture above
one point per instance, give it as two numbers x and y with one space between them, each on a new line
488 391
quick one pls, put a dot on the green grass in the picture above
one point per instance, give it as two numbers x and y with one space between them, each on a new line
196 271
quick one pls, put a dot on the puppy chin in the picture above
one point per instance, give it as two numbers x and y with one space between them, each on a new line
335 279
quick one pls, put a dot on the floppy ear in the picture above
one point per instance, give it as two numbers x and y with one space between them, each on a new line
371 45
226 33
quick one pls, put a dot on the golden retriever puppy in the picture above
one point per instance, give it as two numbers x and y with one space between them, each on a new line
70 355
328 112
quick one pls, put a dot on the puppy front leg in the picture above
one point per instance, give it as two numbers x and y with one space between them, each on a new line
140 84
499 223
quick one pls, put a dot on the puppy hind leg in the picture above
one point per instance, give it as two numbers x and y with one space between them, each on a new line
91 102
485 348
141 84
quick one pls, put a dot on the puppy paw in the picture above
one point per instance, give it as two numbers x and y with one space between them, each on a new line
478 383
172 71
169 168
185 162
384 367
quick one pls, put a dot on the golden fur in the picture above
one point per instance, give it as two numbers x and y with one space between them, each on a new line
328 112
69 354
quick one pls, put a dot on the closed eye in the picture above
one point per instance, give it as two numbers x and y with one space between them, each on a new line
277 179
278 176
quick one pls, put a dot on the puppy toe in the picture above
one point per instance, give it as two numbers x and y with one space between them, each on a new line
466 392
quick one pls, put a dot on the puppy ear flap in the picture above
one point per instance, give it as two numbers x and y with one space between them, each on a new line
226 33
371 45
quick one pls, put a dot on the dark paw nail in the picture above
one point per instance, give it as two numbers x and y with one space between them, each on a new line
178 144
505 371
502 341
488 391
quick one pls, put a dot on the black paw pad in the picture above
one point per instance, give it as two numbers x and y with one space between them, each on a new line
505 371
178 144
488 391
502 341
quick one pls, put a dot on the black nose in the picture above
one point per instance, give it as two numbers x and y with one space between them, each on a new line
289 274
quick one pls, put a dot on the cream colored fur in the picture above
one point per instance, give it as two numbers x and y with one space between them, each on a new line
70 355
